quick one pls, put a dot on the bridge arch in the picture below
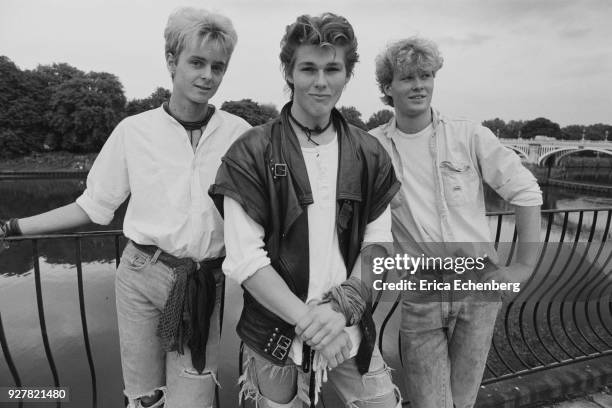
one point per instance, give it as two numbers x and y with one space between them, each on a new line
517 150
571 150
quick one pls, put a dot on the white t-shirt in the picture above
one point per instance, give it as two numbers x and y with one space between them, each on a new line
418 179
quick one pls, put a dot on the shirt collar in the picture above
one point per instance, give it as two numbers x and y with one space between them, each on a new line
391 126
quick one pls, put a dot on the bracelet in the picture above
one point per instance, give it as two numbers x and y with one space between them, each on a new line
351 298
11 228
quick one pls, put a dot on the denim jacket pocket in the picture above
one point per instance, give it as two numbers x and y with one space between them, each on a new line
460 183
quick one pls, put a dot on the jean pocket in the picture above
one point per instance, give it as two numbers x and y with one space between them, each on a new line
460 183
135 261
378 382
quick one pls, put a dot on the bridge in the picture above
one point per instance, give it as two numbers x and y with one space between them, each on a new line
539 151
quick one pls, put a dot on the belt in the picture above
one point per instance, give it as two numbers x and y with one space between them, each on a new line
190 304
173 261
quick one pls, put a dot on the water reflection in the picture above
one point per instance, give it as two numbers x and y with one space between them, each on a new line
21 198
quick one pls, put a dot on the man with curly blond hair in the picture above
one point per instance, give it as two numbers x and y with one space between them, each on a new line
442 163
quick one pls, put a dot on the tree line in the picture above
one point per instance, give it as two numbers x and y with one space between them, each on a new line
545 127
59 107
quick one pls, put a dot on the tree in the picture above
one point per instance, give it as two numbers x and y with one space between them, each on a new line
598 131
352 116
84 110
24 100
254 113
159 96
498 127
12 144
56 74
12 86
379 118
46 79
572 132
540 126
513 128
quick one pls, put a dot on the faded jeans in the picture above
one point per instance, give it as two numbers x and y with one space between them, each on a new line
444 346
142 287
287 386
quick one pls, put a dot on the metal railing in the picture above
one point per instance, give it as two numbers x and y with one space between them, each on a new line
563 316
116 235
564 313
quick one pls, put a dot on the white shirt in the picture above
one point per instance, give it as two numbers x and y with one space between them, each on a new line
464 154
417 178
244 237
149 156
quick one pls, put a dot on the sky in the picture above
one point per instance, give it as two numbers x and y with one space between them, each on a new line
512 59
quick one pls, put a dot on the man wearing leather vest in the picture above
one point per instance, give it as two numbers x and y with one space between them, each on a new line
300 197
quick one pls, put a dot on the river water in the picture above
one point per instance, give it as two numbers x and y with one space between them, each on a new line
20 317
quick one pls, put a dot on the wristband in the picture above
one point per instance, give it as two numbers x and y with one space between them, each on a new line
11 228
349 298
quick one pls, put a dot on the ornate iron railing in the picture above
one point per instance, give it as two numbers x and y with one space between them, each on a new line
564 313
563 316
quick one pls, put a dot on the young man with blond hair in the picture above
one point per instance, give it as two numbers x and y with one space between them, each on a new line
169 283
442 163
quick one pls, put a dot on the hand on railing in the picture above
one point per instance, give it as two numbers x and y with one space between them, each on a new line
514 273
8 228
3 228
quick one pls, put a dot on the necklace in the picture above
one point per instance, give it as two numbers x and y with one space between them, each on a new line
194 128
308 131
192 125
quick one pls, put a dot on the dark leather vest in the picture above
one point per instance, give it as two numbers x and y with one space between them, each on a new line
265 172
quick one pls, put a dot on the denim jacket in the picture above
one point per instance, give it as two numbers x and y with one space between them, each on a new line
465 154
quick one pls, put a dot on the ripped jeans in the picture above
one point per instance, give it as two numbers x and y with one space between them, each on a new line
272 386
142 287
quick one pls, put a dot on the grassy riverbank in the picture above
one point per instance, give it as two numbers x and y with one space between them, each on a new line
52 161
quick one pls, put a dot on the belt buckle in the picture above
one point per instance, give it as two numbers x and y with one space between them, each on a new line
279 170
282 347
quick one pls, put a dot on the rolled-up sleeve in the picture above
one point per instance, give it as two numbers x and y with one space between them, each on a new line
379 230
107 181
502 170
244 245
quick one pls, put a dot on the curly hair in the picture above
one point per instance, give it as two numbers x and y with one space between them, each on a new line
326 30
407 55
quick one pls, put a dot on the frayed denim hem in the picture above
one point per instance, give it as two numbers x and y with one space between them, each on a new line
249 386
134 400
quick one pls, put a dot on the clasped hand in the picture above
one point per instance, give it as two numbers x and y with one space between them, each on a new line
320 325
322 328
